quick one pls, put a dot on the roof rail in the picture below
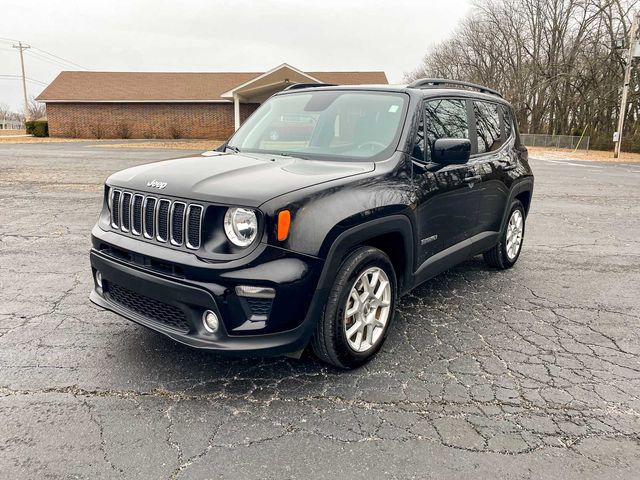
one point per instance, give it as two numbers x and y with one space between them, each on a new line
438 82
297 86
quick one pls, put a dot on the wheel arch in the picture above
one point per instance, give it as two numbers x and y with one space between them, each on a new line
522 191
392 234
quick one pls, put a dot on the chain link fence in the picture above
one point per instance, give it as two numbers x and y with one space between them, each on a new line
555 141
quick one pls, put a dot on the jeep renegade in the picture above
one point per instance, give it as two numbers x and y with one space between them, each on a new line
309 223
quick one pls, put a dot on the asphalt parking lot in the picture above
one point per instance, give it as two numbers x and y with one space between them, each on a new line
528 373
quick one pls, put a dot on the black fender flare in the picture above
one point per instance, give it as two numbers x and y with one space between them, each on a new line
359 234
339 248
523 185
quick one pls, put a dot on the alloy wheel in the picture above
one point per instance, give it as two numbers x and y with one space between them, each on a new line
515 230
367 310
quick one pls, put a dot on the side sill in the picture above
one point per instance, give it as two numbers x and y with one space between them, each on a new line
454 255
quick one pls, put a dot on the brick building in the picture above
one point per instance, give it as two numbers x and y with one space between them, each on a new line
170 105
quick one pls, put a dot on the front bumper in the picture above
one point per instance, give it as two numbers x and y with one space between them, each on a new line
135 289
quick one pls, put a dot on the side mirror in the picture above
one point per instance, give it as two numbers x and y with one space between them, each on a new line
447 151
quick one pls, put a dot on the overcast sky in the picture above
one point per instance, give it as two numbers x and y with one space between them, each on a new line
211 35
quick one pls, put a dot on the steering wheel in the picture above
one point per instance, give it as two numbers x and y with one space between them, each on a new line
371 143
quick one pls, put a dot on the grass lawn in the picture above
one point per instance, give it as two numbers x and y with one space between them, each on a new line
591 155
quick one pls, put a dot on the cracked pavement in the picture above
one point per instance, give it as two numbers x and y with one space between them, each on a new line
528 373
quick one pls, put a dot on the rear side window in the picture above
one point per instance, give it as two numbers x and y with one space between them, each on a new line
508 122
487 126
444 119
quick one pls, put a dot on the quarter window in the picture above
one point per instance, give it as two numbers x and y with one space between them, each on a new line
508 122
444 119
487 126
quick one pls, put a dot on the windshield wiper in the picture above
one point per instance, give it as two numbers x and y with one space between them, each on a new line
233 148
294 155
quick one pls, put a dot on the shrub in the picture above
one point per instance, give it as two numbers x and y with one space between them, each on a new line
123 131
148 134
37 128
97 130
174 132
73 131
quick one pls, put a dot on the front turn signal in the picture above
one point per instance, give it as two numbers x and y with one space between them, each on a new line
284 222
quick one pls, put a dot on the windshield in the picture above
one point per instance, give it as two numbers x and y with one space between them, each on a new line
325 124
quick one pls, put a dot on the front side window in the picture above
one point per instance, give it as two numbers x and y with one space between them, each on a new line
487 126
418 143
444 119
325 124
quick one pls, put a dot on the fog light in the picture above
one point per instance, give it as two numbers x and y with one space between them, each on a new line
255 292
210 321
99 278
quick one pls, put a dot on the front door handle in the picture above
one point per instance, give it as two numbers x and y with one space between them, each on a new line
474 179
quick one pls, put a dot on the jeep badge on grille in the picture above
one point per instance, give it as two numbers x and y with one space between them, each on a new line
156 184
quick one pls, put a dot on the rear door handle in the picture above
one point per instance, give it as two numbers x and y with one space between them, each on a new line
474 179
507 167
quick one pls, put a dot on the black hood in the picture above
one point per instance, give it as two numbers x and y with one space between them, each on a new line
234 179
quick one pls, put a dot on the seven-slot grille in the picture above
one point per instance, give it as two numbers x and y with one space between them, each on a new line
157 218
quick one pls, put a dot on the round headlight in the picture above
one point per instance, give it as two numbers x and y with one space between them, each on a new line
241 226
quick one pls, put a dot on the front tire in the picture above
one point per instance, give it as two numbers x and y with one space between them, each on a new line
359 310
506 252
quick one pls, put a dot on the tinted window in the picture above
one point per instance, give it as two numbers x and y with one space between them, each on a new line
418 144
487 126
325 124
445 119
508 122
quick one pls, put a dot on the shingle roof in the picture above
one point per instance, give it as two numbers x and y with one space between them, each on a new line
164 87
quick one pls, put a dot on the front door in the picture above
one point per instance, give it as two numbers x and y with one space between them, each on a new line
447 207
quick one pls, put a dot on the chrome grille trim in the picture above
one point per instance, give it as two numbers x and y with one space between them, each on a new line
187 229
158 213
142 215
136 217
172 218
125 211
149 230
115 208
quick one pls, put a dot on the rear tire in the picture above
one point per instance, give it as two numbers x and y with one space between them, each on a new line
359 310
506 252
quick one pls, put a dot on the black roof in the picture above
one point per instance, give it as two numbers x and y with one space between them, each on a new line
422 88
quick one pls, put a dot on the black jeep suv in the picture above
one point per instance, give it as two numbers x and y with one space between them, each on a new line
273 242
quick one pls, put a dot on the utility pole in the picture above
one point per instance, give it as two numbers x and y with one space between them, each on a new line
633 37
21 48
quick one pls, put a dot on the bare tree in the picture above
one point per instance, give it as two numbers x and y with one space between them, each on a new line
36 109
4 111
7 114
560 62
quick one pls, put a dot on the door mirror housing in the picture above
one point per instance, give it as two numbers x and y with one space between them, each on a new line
448 151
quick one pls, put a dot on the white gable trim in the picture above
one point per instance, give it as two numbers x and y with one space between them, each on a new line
231 92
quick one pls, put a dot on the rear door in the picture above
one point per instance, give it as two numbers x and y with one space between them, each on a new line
446 209
491 162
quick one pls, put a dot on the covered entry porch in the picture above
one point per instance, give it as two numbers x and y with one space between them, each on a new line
258 89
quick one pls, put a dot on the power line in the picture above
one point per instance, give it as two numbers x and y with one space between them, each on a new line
27 78
50 60
41 52
60 58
